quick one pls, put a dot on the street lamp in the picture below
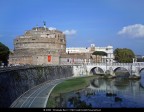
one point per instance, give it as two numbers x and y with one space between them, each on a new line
133 60
131 69
106 65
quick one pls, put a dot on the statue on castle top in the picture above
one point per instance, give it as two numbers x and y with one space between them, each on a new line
44 23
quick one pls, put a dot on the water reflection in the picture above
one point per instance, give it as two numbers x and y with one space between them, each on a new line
142 78
107 93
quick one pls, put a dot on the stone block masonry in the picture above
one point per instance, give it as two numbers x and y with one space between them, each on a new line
36 45
15 82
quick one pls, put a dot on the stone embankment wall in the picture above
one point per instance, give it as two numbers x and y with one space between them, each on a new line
15 82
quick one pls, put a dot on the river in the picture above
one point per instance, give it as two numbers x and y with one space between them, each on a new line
107 93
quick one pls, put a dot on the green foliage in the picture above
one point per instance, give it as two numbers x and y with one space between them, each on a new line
100 53
4 53
124 55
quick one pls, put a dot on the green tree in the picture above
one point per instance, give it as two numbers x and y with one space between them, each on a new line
4 54
124 55
100 53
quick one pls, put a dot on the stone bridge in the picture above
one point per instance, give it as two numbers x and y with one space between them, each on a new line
111 68
132 68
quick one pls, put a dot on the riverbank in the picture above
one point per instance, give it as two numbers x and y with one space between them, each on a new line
67 86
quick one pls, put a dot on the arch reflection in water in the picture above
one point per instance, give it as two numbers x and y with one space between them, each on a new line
108 93
142 78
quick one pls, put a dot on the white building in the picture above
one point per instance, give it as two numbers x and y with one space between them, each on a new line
77 50
91 49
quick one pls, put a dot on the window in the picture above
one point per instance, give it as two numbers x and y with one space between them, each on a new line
61 40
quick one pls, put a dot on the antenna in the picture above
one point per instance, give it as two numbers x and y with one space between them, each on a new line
44 24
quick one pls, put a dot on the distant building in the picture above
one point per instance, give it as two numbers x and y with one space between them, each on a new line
78 50
139 58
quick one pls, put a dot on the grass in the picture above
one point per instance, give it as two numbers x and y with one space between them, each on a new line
67 86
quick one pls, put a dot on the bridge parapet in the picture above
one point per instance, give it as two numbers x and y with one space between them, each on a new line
116 64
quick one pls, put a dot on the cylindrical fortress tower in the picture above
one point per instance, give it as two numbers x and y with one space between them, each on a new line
38 46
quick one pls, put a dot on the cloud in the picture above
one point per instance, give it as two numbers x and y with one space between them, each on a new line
52 28
133 31
70 32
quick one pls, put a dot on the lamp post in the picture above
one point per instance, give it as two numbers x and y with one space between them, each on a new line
131 69
133 60
106 65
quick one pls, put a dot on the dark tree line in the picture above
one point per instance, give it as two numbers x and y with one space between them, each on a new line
100 53
4 54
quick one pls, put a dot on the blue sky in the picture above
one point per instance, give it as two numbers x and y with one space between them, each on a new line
119 23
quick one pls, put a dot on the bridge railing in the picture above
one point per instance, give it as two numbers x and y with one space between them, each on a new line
115 64
138 63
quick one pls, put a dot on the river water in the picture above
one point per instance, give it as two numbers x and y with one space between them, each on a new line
107 93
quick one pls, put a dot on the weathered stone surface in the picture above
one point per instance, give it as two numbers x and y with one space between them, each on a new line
16 82
35 45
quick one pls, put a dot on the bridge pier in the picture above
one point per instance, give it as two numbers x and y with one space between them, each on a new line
112 73
135 73
79 70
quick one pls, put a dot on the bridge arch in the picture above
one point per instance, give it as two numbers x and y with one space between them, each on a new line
141 70
121 71
97 70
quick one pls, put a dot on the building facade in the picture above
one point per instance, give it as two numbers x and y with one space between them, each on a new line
101 59
38 46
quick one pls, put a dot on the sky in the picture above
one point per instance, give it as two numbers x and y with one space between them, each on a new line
119 23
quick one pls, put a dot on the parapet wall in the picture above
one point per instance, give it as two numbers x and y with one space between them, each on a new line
16 82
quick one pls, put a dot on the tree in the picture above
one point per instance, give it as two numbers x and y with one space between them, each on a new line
100 53
124 55
4 54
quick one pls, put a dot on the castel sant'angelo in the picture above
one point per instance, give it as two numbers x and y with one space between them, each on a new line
42 46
